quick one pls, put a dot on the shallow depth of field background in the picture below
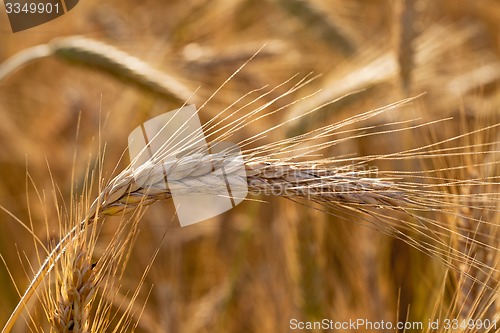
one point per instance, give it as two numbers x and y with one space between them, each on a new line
263 263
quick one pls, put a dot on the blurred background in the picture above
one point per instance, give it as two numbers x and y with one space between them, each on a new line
269 260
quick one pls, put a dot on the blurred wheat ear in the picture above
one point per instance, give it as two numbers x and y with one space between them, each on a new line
105 59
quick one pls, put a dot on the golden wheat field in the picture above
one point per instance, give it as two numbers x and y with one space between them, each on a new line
370 138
